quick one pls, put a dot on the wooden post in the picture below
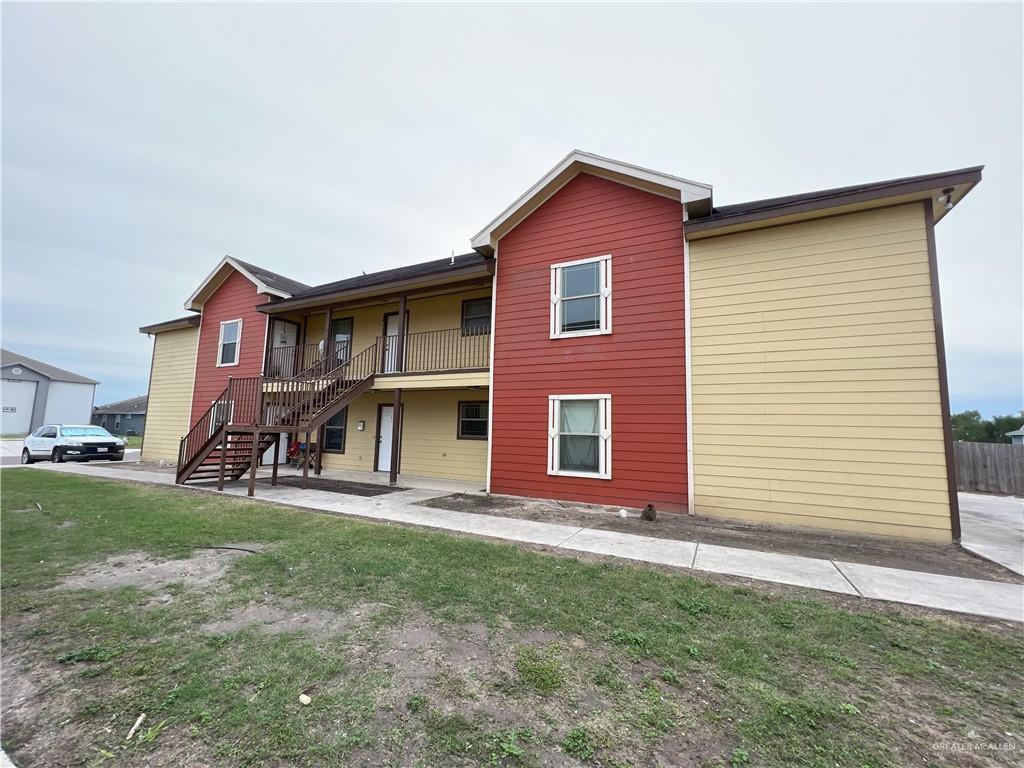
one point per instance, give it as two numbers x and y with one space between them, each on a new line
396 434
328 342
223 459
320 436
400 341
305 463
252 463
277 451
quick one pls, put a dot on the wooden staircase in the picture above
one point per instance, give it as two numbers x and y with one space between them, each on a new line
252 413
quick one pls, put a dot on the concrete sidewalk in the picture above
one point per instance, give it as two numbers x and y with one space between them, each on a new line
993 528
971 596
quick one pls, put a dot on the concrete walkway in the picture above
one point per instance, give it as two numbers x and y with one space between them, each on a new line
971 596
993 528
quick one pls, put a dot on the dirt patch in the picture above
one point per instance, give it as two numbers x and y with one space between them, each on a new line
142 570
949 559
288 616
335 486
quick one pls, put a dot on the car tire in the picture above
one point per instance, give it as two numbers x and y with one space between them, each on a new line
26 457
57 457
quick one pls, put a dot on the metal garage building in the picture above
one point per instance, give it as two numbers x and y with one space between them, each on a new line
36 393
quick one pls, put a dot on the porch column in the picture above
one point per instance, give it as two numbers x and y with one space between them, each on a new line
396 432
253 461
305 462
327 330
320 437
400 341
277 449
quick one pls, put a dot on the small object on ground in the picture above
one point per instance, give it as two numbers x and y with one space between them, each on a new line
304 700
649 513
39 506
135 727
623 514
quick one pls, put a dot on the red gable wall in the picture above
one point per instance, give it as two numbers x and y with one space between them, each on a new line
235 298
641 363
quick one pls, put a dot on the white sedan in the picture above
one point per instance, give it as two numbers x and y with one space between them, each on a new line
70 442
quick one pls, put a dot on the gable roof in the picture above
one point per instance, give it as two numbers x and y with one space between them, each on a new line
265 281
465 266
576 162
1014 433
133 405
52 372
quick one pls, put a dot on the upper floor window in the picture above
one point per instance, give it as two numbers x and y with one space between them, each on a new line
230 342
476 316
581 297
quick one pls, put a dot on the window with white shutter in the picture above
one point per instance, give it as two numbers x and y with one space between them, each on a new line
581 297
580 435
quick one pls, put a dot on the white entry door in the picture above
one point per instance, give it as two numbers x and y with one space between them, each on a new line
284 340
387 421
390 362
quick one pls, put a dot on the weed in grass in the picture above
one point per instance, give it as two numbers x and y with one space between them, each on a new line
652 713
608 676
416 702
539 669
638 642
580 743
695 606
848 709
670 676
452 734
739 757
149 735
503 748
92 653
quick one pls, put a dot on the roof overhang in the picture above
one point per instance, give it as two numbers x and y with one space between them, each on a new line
220 273
695 195
381 292
933 189
192 321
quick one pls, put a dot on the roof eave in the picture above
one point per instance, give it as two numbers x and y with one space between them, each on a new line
920 187
195 305
482 270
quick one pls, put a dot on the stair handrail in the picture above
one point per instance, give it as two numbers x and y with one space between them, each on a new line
206 426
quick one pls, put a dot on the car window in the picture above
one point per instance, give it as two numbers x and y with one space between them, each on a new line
50 432
84 432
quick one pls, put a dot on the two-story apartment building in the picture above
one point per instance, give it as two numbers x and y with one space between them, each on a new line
614 337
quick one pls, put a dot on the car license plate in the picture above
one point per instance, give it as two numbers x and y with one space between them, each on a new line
101 450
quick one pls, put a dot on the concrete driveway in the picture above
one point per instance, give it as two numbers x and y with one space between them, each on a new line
993 527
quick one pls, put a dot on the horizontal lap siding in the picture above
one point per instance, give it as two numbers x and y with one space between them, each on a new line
235 298
641 363
815 376
170 393
430 447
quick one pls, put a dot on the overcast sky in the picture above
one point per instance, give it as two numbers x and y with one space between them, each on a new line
142 143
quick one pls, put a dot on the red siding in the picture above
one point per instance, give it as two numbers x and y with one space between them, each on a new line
641 363
235 298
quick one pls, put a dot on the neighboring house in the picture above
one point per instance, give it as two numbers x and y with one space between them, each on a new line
169 403
125 417
613 338
1016 437
37 393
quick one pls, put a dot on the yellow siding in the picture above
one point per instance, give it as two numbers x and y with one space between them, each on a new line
430 447
815 376
170 393
430 314
433 380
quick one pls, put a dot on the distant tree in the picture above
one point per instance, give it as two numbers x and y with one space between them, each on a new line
971 427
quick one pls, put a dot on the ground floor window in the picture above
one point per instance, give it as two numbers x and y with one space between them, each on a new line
473 421
334 432
580 435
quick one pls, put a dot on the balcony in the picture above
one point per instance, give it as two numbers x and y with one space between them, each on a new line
450 350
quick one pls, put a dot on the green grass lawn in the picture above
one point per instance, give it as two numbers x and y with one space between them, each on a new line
132 441
419 648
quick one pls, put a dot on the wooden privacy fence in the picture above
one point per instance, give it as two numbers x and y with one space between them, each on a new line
990 468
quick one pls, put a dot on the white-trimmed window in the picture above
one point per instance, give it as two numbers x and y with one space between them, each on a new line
580 435
581 297
230 343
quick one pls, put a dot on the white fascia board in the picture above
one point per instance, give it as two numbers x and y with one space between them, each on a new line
261 287
689 191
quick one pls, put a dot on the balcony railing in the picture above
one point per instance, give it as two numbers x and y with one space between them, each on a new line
451 349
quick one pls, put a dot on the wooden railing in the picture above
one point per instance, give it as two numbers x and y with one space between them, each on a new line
204 429
451 349
296 402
